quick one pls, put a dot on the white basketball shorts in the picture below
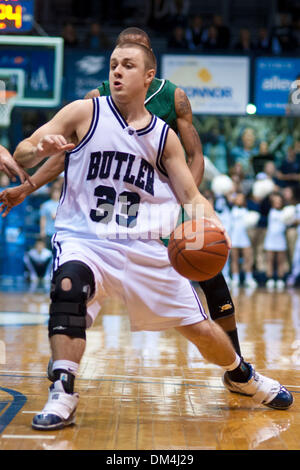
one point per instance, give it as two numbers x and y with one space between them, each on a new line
138 272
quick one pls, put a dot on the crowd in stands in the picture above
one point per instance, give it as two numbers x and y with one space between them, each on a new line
171 20
257 199
261 210
33 252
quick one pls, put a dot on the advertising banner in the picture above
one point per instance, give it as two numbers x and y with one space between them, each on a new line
213 84
84 71
275 86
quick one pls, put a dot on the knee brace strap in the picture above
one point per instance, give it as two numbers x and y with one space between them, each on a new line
68 307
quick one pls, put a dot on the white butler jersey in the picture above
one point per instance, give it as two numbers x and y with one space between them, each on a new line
115 183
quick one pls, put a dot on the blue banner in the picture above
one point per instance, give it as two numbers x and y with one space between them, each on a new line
274 84
84 71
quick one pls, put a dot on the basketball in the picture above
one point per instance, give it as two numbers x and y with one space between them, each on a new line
198 250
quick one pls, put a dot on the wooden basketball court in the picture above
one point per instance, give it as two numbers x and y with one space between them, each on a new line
153 391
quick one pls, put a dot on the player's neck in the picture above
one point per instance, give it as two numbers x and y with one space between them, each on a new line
134 113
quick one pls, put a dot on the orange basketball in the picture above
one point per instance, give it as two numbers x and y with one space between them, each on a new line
198 250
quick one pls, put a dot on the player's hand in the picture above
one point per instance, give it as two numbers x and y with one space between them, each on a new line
10 198
53 144
216 221
10 167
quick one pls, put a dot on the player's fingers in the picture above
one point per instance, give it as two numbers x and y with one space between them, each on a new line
8 172
3 196
61 139
68 147
5 209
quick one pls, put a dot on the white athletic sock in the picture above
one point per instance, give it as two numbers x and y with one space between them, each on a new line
234 365
66 365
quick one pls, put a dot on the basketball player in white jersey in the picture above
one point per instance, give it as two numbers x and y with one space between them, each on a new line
121 163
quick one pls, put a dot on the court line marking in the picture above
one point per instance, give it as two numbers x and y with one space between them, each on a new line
143 380
25 436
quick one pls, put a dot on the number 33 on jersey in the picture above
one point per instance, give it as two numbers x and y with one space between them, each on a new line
118 173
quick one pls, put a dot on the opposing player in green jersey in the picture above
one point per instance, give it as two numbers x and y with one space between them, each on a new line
169 102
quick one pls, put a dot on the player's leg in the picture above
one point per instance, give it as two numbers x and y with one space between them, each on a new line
72 286
221 307
248 267
270 284
281 269
215 347
235 268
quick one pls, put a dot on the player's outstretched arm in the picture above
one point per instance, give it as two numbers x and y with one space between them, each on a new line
183 183
48 172
10 167
189 136
60 134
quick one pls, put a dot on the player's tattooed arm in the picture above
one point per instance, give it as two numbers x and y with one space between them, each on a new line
189 136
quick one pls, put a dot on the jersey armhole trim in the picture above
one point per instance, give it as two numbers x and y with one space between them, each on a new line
90 132
157 91
161 147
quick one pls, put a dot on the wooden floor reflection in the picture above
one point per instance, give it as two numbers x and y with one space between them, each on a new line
150 390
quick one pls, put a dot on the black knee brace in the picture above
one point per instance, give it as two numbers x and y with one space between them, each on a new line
68 307
218 297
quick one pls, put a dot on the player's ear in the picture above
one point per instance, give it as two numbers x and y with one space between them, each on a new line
150 74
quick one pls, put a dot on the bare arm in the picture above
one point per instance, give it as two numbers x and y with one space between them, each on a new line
10 167
189 136
58 135
48 172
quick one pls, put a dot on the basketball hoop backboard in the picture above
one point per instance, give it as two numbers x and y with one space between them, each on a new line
38 63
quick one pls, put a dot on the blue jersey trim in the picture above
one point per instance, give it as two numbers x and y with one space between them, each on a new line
161 147
91 131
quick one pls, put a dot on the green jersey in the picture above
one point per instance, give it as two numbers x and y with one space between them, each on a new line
160 100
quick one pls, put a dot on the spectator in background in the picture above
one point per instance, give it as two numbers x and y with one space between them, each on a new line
295 271
96 38
47 216
264 43
288 172
69 35
215 149
297 151
296 32
275 244
262 157
223 32
293 105
179 11
290 200
244 152
269 172
38 262
178 40
159 15
283 39
238 176
244 43
241 244
194 33
210 38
